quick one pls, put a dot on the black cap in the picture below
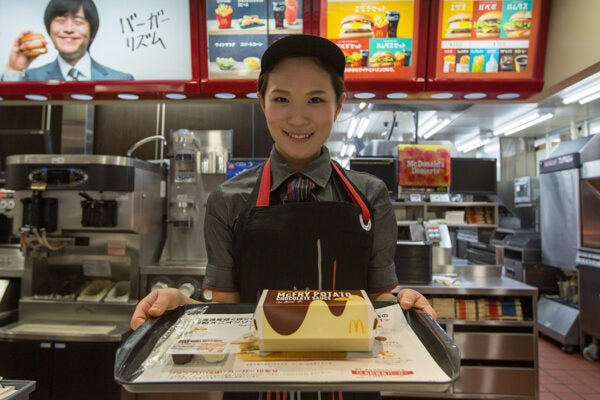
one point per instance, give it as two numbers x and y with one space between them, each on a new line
304 45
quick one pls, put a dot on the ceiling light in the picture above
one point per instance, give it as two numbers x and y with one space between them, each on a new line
442 96
522 123
589 98
128 96
473 144
475 96
252 95
175 96
364 95
582 94
508 96
442 123
362 127
397 95
352 128
82 97
225 96
36 97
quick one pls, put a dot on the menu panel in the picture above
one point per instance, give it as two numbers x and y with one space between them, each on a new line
488 39
378 38
239 31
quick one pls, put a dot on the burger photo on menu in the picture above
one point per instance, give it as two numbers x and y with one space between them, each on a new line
518 25
459 26
382 59
488 25
356 26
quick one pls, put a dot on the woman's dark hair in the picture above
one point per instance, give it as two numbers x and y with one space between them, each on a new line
61 8
336 80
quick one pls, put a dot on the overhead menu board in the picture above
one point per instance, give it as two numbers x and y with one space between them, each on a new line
239 31
380 39
489 40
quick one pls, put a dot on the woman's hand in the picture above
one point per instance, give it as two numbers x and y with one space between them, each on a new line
156 303
409 298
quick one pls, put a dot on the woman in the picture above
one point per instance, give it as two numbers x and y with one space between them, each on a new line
338 230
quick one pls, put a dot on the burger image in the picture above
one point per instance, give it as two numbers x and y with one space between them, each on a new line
488 25
356 26
459 26
382 59
33 44
519 24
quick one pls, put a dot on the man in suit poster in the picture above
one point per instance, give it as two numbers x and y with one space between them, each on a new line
72 26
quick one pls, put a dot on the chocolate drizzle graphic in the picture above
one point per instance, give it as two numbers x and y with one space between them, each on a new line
286 310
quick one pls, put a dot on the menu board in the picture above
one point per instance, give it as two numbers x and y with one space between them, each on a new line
487 39
239 31
377 37
424 166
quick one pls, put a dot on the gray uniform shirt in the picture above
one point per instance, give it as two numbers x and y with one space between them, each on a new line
227 202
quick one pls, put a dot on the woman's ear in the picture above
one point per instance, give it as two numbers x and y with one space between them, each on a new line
261 101
339 105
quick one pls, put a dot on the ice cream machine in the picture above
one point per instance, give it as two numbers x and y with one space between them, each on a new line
86 223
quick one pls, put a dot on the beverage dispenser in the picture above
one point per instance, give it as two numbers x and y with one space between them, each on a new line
197 162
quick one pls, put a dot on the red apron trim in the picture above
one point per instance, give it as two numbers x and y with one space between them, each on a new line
264 190
366 214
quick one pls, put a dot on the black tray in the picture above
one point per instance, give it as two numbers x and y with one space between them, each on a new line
138 346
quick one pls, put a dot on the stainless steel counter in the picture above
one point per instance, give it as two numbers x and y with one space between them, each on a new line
473 280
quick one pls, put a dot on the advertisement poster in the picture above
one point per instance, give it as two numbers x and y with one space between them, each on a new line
239 32
135 39
424 166
481 39
377 37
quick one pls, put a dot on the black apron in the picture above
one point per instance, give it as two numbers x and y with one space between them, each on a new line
321 245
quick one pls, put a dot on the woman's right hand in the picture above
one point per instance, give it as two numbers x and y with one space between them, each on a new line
156 303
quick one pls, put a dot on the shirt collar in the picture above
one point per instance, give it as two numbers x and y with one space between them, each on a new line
318 170
84 66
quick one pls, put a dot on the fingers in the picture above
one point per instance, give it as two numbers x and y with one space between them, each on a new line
409 298
155 304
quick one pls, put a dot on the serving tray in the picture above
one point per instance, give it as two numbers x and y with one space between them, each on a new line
415 355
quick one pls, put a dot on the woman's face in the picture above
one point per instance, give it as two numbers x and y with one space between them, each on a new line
300 107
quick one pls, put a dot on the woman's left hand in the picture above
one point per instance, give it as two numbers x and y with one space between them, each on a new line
410 298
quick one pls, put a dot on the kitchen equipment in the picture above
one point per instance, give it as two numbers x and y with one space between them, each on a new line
588 255
560 204
196 157
69 243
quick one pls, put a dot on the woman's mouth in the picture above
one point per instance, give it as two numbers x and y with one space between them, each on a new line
298 135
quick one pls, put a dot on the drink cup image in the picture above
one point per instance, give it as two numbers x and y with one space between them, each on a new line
393 17
279 14
521 63
291 11
364 58
407 54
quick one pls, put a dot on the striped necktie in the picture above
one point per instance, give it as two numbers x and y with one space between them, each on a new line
299 189
74 74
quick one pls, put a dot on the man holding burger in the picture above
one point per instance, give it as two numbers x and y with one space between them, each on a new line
72 26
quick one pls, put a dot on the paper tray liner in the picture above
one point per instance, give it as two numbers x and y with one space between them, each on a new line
138 346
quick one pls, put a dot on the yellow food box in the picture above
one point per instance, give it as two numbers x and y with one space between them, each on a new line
315 320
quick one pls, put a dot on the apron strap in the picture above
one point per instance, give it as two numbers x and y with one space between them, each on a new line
264 191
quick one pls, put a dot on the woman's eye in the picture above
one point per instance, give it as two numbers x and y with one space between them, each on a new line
316 100
280 100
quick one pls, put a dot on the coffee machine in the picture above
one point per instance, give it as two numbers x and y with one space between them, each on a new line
86 223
